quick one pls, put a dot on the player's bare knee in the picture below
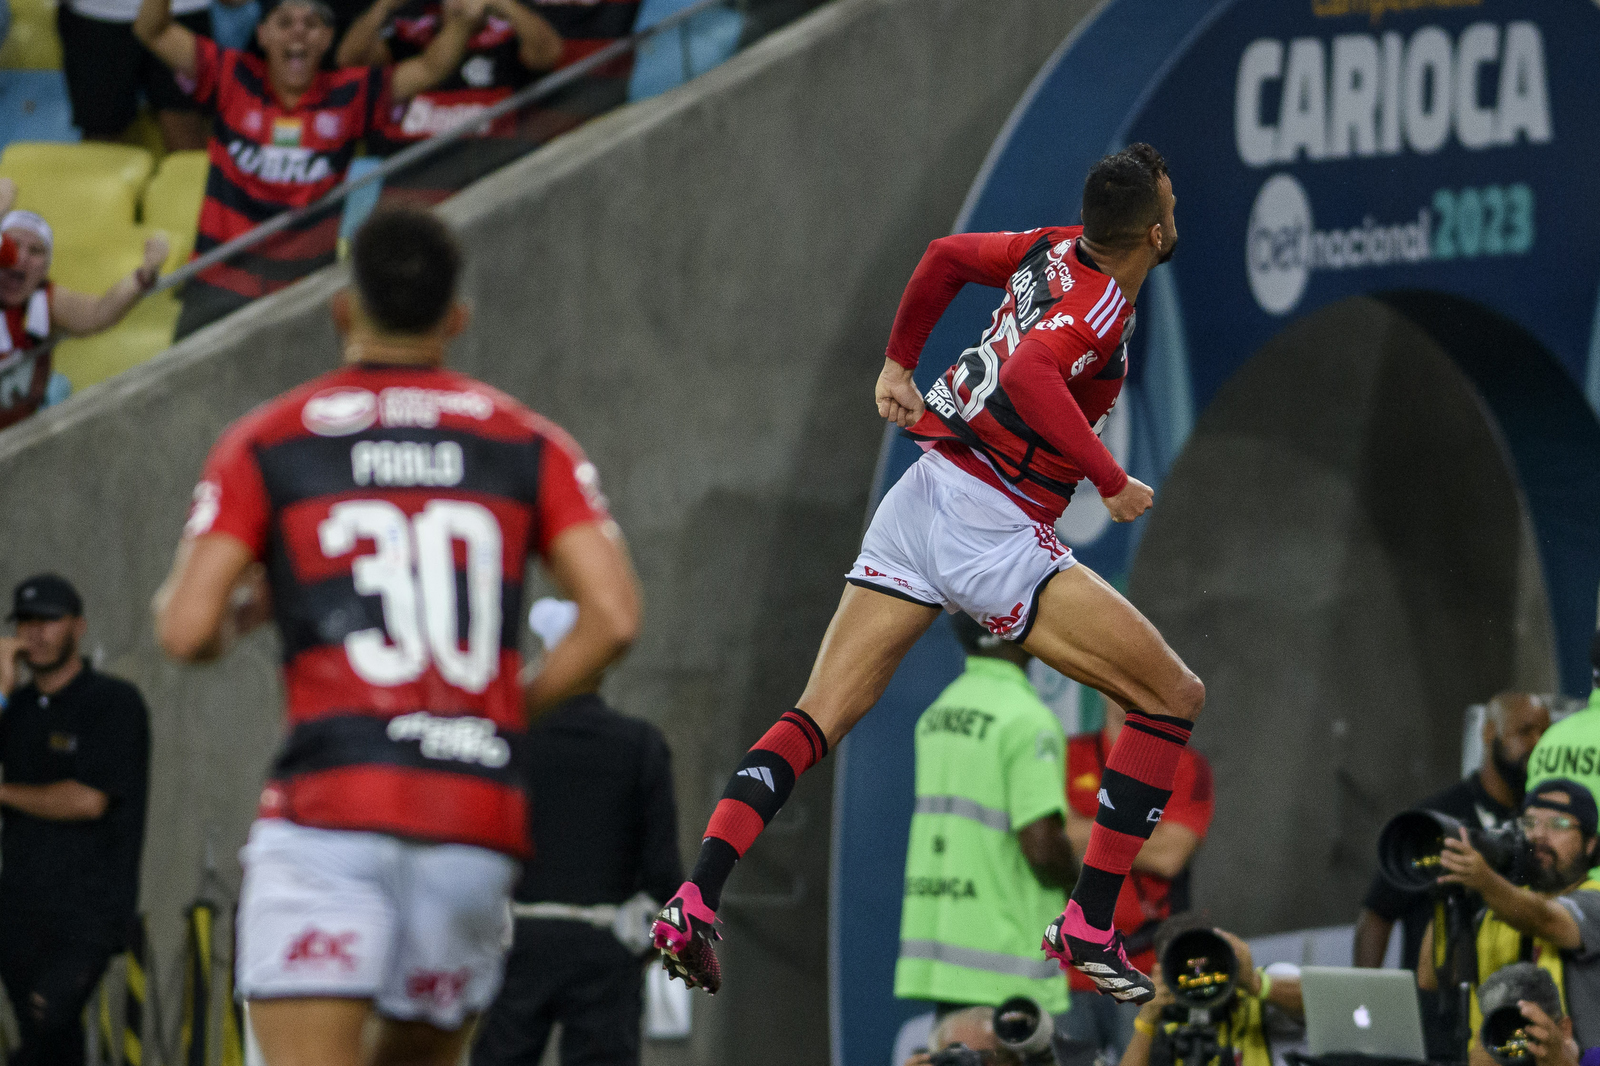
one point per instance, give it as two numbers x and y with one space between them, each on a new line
1188 697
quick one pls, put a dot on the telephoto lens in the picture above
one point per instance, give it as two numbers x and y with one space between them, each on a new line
1504 1037
1200 969
1410 845
1024 1027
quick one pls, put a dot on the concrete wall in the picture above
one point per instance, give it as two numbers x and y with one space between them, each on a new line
1318 557
699 288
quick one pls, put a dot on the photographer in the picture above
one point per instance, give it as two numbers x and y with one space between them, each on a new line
988 855
970 1029
1235 1033
1536 1022
1554 922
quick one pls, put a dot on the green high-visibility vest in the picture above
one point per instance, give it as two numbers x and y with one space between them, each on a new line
989 761
1570 749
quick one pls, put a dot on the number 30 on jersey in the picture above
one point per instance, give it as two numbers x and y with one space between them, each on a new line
413 571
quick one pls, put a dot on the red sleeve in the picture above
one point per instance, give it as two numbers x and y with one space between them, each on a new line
948 264
1192 802
8 252
1037 386
231 497
569 491
207 80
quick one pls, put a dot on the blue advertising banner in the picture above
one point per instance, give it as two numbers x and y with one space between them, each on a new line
1435 154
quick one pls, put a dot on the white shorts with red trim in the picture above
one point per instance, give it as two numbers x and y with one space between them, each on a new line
420 929
945 539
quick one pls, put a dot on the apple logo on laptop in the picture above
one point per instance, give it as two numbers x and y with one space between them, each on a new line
1363 1017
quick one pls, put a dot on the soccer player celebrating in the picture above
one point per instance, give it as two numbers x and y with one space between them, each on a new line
395 505
1009 430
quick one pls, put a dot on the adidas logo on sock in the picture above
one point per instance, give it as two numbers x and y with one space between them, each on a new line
1105 799
759 773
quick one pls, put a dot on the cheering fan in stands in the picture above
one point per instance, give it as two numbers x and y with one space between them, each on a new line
284 134
35 308
514 45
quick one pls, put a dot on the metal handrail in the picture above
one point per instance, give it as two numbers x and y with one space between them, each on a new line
540 89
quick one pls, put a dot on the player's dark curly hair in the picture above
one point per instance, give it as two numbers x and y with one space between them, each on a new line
405 263
1121 196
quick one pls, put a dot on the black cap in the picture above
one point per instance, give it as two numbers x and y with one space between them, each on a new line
1567 796
45 596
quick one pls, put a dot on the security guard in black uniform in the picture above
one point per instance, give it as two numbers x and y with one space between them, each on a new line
75 752
605 857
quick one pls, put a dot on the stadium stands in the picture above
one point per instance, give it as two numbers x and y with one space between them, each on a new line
92 195
33 43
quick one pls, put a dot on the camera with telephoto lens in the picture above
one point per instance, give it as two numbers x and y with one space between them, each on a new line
1504 1037
1200 969
1410 845
1020 1025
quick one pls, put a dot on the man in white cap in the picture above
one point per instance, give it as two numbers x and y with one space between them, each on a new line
605 854
36 311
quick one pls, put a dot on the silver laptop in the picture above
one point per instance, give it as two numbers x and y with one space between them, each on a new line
1374 1012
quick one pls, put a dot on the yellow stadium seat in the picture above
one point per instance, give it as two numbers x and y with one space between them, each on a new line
146 332
172 202
33 43
88 193
81 189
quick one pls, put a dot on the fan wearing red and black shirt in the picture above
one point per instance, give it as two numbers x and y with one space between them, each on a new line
513 45
383 514
284 133
1010 431
1155 887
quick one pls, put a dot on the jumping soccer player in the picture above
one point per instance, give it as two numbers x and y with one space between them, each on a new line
395 505
1009 431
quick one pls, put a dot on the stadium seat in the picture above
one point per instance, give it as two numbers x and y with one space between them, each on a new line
34 107
33 43
88 193
683 52
172 202
147 331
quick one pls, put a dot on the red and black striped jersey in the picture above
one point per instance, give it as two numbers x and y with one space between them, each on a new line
1023 409
24 356
395 509
491 71
267 159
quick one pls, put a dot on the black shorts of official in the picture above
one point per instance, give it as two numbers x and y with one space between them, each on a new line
108 71
574 974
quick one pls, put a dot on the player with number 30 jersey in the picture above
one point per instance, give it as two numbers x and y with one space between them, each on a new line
383 515
395 509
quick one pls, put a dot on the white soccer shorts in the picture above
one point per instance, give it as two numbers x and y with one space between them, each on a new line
420 929
943 538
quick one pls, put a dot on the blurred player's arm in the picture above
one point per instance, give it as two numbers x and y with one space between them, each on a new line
215 593
589 561
1034 381
947 265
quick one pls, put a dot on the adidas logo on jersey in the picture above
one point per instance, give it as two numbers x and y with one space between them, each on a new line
759 773
1105 799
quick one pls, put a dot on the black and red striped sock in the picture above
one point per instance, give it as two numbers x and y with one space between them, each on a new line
1134 790
753 797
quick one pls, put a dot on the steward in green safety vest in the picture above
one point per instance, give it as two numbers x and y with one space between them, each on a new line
1553 923
988 859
